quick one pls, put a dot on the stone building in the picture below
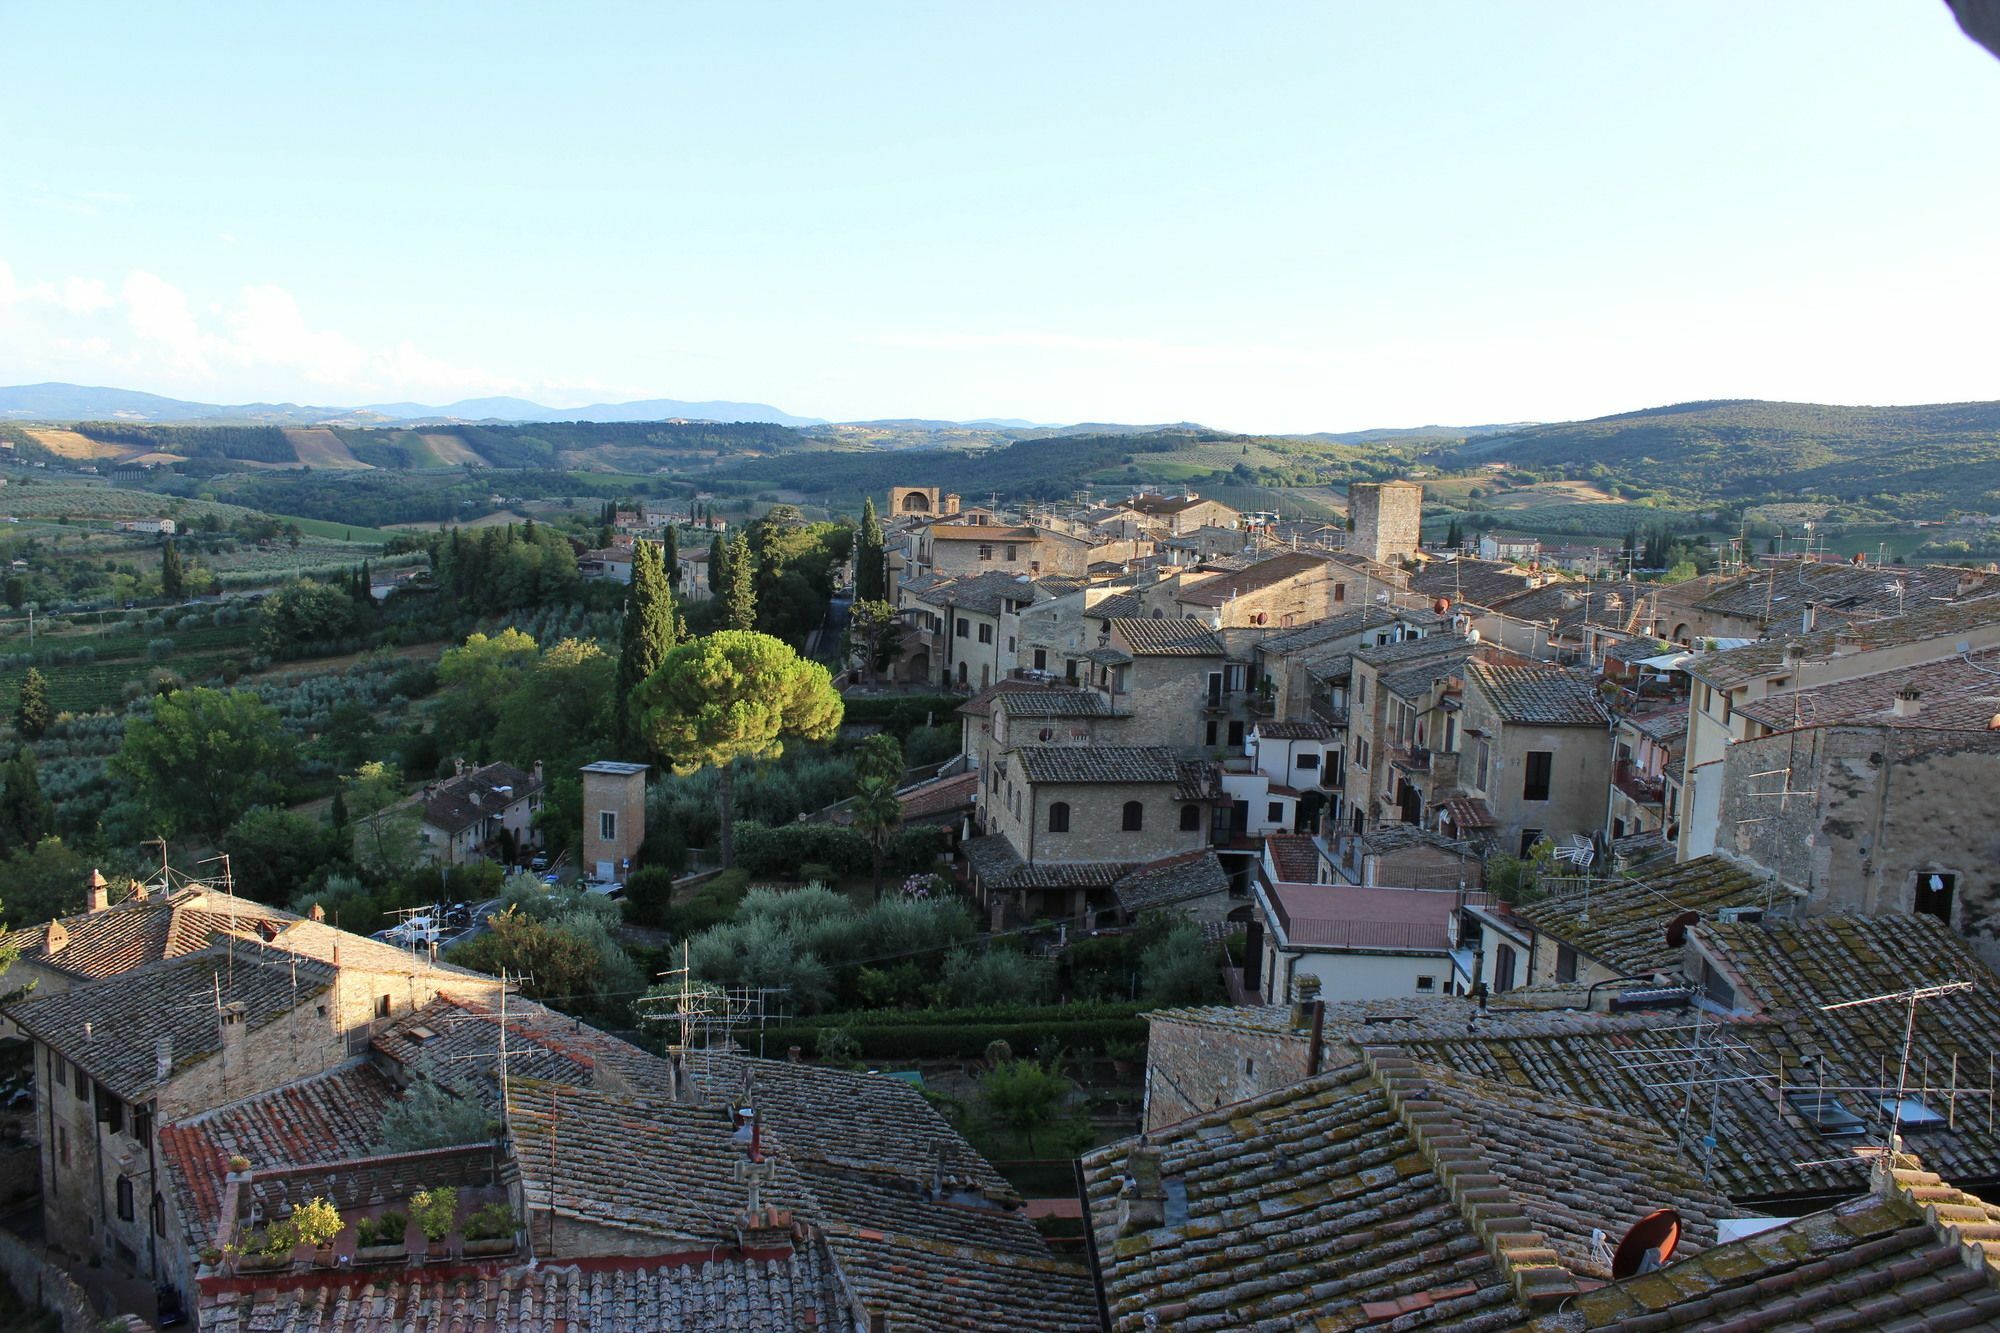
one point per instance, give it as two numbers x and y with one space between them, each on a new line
922 502
614 817
1387 517
1537 752
478 813
952 550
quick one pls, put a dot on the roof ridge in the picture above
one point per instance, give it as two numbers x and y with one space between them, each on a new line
1517 1247
1961 1220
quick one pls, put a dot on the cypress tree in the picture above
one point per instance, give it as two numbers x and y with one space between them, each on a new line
649 629
26 817
338 812
32 714
171 574
741 602
670 556
871 576
718 567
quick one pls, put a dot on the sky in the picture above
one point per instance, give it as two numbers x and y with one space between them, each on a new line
1262 217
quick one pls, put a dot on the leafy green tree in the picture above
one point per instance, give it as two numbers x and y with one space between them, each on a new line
387 842
995 976
670 556
570 960
560 712
648 633
336 813
171 574
474 677
44 882
428 1117
879 759
877 816
32 713
876 633
1023 1096
871 571
202 758
26 816
1180 967
273 852
17 591
305 613
733 695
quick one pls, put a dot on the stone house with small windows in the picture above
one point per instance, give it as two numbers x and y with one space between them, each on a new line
1176 514
1536 750
1282 591
964 632
955 550
1649 750
1360 943
1403 706
478 812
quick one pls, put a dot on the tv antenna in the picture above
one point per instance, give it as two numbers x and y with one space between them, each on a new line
1897 1108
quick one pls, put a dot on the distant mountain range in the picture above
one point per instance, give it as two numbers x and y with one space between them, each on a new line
77 402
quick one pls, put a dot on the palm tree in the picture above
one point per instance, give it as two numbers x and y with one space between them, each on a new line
877 816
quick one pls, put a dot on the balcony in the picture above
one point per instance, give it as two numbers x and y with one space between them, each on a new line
1334 715
1642 788
1410 758
1263 705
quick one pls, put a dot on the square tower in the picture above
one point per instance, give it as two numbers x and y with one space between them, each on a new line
614 817
1388 517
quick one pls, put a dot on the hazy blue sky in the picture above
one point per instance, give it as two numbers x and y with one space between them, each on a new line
1261 216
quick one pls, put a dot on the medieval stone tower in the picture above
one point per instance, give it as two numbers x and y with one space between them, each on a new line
1387 516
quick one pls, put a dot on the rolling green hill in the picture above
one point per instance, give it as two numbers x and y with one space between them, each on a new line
1900 460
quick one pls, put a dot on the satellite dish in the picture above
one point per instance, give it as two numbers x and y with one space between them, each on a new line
1677 929
1648 1245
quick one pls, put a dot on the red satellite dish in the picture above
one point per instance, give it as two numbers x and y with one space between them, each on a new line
1648 1245
1677 929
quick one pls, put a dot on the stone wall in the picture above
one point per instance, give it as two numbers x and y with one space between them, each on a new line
45 1285
1387 519
1192 1068
1096 820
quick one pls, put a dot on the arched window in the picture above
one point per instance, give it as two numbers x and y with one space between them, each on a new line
1191 819
1059 817
1135 816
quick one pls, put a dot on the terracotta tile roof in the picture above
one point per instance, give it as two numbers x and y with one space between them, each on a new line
1781 592
1097 763
1119 606
1167 637
999 868
935 1284
1915 1253
715 1289
1307 730
1623 925
986 532
1056 702
1353 916
987 594
1165 504
1481 582
1199 779
1667 724
110 1027
1756 661
1386 838
1568 607
1386 656
1468 812
927 800
1335 627
327 1118
1539 696
139 931
1637 649
455 1041
1174 879
457 803
1250 579
981 704
1953 694
1414 682
1385 1192
1295 855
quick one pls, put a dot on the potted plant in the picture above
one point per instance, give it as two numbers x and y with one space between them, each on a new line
490 1230
436 1212
381 1240
266 1248
316 1222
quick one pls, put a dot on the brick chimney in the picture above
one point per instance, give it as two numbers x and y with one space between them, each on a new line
1142 1198
1305 990
232 1025
1909 700
100 892
56 939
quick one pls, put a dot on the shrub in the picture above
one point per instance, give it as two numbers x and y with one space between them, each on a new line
388 1229
436 1210
814 872
316 1222
492 1222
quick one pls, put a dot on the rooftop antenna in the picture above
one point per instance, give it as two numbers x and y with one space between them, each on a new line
1894 1112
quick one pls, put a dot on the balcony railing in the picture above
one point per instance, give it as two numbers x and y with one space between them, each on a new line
1334 715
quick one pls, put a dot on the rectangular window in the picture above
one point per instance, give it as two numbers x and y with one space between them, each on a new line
1275 813
961 630
1041 659
1211 731
1309 759
1361 689
382 1007
1012 554
986 634
1340 592
125 1207
1535 787
58 1070
985 553
1565 963
1479 779
1233 679
607 825
1235 735
1426 985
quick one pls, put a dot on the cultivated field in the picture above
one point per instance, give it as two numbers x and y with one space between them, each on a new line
318 447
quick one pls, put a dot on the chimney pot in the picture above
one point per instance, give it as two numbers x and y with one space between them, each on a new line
1908 701
100 891
458 767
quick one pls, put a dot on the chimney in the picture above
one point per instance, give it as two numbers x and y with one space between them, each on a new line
1907 701
1142 1198
538 772
458 767
100 892
1809 618
56 940
1305 990
163 1058
231 1023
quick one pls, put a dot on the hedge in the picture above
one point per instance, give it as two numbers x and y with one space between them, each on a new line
788 848
939 1034
900 713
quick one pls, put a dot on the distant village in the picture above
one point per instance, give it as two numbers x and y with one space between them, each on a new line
1613 955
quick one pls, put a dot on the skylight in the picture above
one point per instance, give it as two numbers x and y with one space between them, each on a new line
1827 1114
1911 1113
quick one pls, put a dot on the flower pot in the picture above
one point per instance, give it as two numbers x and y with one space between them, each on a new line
381 1254
489 1245
258 1262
